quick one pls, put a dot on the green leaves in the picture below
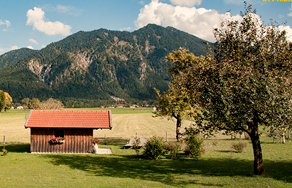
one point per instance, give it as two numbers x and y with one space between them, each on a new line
2 100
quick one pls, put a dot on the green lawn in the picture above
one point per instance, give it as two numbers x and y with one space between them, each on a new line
218 167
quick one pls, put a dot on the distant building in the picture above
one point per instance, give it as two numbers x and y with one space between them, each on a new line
120 106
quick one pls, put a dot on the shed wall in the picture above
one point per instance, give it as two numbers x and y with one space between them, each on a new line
77 141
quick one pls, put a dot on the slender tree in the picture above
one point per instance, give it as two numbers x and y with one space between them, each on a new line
177 102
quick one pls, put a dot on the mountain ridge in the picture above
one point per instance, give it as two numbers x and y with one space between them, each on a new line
14 56
99 64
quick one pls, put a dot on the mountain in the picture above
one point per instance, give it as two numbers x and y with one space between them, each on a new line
99 64
14 56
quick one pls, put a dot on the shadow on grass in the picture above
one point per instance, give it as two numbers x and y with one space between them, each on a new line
169 171
113 141
17 148
225 151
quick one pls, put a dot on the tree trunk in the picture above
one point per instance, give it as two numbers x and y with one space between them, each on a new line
257 151
283 137
178 128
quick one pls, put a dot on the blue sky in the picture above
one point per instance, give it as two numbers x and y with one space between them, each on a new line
35 24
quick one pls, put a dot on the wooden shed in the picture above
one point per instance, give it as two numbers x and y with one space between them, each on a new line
75 128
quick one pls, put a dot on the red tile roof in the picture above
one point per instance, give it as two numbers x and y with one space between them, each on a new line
69 119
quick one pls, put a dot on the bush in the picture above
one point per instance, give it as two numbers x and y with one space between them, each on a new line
173 148
136 146
154 148
239 146
4 152
193 143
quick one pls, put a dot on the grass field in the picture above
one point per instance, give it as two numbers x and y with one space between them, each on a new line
127 123
218 167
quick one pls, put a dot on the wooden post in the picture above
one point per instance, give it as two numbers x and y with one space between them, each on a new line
166 136
4 141
105 139
283 136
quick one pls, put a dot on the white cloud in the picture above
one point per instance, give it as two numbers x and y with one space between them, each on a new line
43 46
142 2
14 48
36 18
188 3
288 31
199 22
30 47
33 41
6 22
125 29
69 10
61 9
290 14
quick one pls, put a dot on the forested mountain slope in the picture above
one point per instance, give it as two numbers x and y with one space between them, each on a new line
14 56
100 64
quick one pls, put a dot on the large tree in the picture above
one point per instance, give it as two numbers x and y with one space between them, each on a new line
51 104
245 84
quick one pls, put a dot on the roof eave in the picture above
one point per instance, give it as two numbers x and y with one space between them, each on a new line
27 119
110 118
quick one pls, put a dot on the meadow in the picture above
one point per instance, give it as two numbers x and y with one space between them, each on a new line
218 167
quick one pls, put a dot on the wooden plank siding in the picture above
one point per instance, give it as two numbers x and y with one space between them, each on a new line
76 141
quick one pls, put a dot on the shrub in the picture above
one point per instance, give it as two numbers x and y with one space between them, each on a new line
193 143
4 152
239 146
173 148
136 146
154 148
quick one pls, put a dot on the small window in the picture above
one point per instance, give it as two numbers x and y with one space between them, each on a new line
59 133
